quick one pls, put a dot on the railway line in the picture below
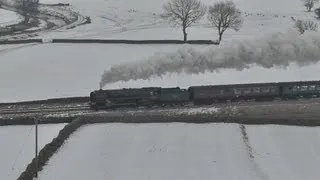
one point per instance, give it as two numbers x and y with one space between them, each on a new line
302 112
84 107
44 110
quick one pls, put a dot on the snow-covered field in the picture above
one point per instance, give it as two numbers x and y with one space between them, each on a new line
152 151
18 147
141 19
59 70
286 152
9 18
187 151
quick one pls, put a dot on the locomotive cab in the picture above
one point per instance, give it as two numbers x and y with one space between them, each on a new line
99 99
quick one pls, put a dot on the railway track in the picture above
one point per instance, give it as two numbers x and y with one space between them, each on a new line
43 110
21 110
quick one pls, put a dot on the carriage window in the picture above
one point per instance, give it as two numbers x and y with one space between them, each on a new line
318 87
304 88
256 90
237 91
265 90
296 88
221 91
273 89
247 91
312 87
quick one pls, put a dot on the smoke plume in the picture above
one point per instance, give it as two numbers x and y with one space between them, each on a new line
279 49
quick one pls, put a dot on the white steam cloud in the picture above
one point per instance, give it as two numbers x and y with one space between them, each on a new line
279 49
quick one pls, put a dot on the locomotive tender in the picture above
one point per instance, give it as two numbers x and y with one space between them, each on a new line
200 95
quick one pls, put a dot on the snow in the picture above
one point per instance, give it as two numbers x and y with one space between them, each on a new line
4 48
141 19
205 110
187 151
60 70
9 18
17 147
198 110
289 153
271 5
153 151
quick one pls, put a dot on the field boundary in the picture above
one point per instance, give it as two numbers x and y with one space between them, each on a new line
129 117
31 121
20 41
109 41
123 41
79 99
50 149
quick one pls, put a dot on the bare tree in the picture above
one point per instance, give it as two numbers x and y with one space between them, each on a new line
309 4
317 11
183 13
307 25
224 15
28 8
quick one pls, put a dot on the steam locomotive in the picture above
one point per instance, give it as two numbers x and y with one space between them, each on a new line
202 95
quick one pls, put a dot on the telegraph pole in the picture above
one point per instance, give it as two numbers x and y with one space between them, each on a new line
36 148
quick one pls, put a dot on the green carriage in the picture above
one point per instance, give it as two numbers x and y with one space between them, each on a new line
306 89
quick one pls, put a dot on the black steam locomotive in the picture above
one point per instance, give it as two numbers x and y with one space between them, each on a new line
200 95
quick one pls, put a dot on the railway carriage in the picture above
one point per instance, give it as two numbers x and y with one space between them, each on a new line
223 93
298 89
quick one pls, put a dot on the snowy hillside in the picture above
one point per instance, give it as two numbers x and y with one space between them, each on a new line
187 151
141 19
9 18
62 70
59 70
17 147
